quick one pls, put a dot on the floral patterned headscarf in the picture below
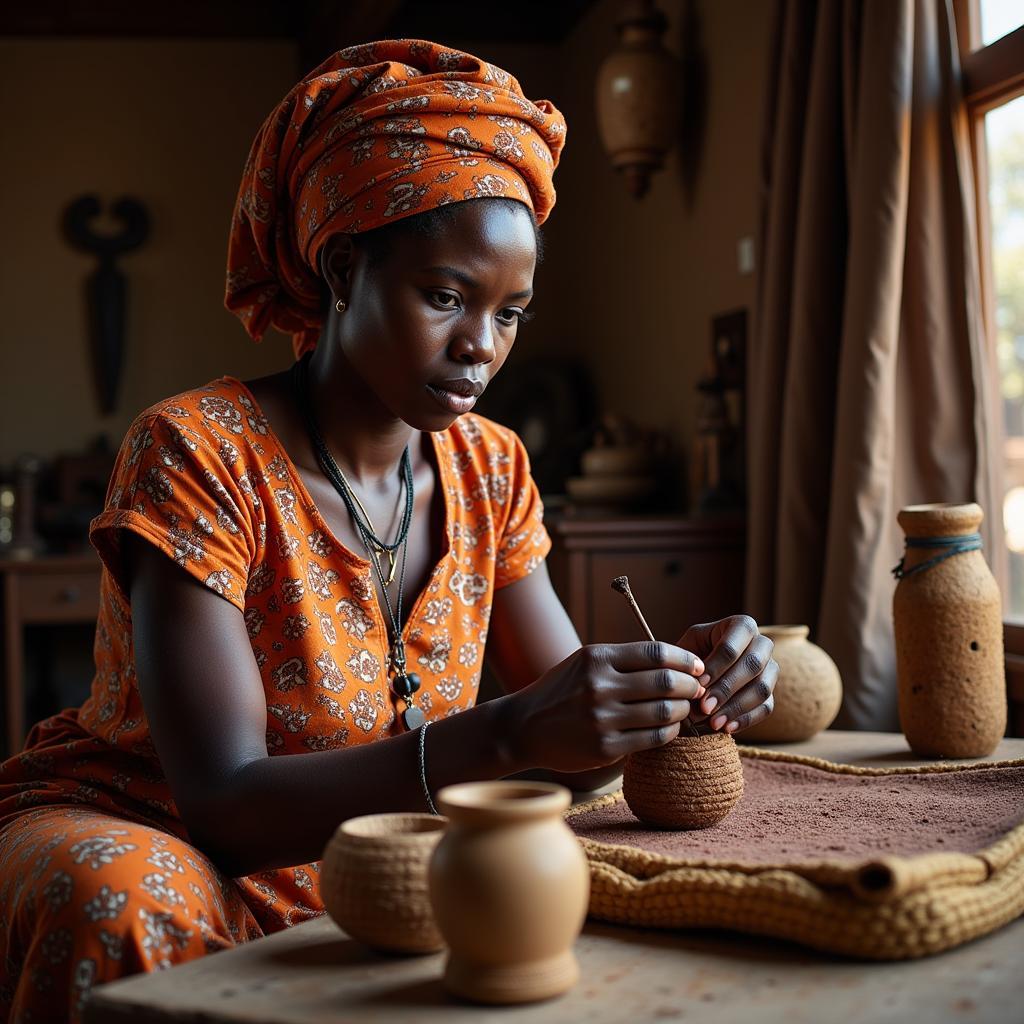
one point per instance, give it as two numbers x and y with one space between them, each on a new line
377 132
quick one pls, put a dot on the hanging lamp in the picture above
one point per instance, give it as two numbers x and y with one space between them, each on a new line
638 96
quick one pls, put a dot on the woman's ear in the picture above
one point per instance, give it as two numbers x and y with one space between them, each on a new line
336 258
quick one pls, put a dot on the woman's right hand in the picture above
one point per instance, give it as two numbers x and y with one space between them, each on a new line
602 702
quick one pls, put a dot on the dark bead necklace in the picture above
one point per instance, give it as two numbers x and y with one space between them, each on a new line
403 683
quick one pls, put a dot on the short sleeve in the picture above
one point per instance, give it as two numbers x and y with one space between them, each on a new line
172 488
524 542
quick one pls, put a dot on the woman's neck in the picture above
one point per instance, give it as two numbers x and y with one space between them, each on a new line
365 438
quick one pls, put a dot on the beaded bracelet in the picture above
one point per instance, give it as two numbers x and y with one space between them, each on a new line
423 767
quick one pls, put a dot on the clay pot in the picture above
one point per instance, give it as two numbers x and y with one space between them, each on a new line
807 694
509 884
617 460
611 491
374 881
949 639
691 782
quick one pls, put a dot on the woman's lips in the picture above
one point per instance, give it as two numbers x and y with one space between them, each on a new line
457 396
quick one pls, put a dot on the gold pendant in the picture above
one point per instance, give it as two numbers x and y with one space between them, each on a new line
376 552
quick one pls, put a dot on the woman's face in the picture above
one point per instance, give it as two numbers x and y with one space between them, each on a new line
428 326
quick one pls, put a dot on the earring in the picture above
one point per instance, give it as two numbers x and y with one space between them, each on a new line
341 305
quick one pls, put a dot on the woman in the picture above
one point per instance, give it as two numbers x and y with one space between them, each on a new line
312 562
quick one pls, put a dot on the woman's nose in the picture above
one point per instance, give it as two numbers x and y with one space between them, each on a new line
474 343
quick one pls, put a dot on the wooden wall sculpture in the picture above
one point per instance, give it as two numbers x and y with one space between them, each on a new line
106 288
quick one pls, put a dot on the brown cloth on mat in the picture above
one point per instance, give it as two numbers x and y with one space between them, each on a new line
794 812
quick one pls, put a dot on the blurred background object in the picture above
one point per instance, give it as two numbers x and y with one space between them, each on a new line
717 462
624 470
18 536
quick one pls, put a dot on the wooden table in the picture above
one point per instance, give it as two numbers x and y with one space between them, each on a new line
313 973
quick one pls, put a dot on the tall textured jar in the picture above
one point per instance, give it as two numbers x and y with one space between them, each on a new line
808 692
509 884
949 635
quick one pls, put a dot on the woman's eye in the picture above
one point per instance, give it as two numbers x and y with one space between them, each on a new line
445 300
512 315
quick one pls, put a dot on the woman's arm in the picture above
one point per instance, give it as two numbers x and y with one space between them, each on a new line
529 633
207 712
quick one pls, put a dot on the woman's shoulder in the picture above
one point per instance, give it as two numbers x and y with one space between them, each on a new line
220 417
223 405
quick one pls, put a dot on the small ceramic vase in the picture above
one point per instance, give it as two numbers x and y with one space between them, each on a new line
509 883
374 881
949 635
808 692
691 782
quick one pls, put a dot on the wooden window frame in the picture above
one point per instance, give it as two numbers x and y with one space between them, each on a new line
990 76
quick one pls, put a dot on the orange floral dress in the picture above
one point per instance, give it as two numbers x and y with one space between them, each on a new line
97 877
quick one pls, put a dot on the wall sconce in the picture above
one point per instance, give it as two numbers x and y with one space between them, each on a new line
638 96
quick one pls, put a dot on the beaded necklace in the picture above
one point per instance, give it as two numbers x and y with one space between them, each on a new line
403 683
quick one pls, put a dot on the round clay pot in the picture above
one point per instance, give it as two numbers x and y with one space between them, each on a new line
808 692
691 782
949 640
374 881
509 883
622 491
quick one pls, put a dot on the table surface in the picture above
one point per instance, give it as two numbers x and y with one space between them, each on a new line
313 973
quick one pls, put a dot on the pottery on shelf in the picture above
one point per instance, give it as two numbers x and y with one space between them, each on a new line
617 460
620 471
949 635
618 491
509 884
692 782
808 692
374 881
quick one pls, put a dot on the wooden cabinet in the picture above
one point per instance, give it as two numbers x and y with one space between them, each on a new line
40 591
681 571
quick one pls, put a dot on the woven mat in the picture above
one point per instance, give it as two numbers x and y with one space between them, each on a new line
880 863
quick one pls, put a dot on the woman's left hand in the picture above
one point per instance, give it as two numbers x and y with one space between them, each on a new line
740 673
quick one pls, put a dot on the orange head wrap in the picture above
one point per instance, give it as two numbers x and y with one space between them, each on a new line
377 132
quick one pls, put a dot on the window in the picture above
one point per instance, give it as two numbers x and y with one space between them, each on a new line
998 18
1004 142
991 39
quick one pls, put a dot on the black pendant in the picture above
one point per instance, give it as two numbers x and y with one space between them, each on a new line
413 717
405 684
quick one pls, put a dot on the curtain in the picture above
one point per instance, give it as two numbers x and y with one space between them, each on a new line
870 381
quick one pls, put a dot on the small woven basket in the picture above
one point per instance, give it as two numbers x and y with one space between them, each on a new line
691 782
374 881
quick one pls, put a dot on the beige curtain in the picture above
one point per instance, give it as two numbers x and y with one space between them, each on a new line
870 381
